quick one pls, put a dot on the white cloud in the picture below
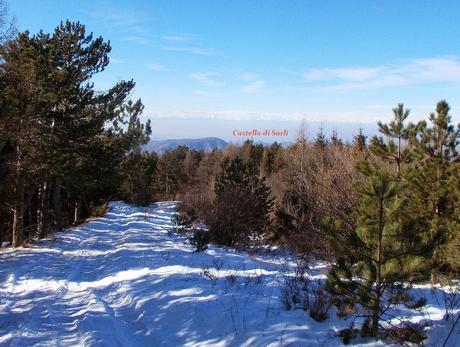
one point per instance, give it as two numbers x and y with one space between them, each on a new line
345 117
390 107
136 39
345 74
253 87
410 72
156 67
191 50
116 61
206 78
179 38
254 83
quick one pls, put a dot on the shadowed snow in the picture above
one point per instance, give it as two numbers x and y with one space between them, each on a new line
121 280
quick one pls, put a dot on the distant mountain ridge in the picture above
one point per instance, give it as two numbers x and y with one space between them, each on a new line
206 144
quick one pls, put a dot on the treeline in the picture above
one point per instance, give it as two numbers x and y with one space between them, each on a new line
385 212
314 195
64 147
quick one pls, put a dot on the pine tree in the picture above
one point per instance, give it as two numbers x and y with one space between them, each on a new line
335 140
321 140
170 176
431 188
137 168
267 165
360 141
395 149
58 127
452 254
380 253
242 204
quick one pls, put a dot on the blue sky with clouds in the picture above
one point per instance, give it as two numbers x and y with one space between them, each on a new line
322 61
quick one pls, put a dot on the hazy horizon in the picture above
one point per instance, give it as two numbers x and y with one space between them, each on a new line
331 62
179 128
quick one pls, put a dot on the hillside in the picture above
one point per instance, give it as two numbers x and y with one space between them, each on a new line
206 144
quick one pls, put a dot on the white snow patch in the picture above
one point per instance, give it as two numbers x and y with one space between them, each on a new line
121 280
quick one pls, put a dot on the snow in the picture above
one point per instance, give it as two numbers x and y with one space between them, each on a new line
123 280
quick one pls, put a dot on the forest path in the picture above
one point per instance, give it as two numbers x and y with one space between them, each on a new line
123 280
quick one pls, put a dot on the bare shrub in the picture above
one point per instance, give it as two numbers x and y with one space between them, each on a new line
318 184
218 263
405 332
210 274
295 289
320 304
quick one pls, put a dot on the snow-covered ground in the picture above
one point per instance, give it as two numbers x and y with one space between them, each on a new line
122 280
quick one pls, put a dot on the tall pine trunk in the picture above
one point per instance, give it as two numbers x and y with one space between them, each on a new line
57 204
43 209
18 209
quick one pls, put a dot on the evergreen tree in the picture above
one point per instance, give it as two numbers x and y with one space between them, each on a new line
242 205
452 254
58 127
431 184
360 141
321 140
395 149
335 140
267 165
137 168
170 176
381 252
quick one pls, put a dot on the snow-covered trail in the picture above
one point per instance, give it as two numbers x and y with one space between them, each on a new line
121 280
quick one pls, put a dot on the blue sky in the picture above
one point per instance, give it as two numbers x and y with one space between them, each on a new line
281 61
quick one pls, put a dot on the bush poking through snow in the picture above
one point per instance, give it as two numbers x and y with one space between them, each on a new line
414 305
200 240
321 304
348 334
185 219
405 332
295 290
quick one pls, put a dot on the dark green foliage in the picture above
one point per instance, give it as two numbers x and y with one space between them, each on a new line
433 184
251 154
395 150
335 140
65 139
406 222
321 140
269 163
200 240
382 250
242 204
348 334
170 174
136 168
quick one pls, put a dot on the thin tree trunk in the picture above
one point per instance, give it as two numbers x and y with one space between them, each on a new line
57 204
43 209
76 216
18 209
378 280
